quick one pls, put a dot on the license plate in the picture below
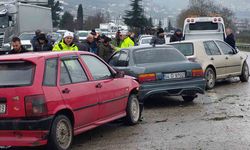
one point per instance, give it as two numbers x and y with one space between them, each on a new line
2 108
177 75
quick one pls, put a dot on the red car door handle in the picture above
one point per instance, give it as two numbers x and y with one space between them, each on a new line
66 91
99 85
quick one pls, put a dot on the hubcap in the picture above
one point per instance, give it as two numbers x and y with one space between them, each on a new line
63 134
210 78
135 109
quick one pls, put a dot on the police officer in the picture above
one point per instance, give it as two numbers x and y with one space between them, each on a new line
126 41
67 43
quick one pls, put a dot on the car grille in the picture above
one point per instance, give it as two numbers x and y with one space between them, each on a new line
1 39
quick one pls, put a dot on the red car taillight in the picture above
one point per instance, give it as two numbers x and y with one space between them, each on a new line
36 106
147 77
197 73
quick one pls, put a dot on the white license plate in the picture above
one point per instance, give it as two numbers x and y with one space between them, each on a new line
177 75
2 108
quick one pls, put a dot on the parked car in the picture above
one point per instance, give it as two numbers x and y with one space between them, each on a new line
61 32
217 58
145 41
160 70
55 37
25 40
82 35
46 98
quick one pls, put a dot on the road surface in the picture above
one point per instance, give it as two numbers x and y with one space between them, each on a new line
220 119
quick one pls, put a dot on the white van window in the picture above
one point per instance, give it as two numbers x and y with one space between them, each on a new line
204 26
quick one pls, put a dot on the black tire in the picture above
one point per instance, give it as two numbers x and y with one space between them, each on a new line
244 73
60 127
188 98
210 78
133 110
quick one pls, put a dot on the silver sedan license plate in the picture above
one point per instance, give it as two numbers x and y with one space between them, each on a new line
2 108
177 75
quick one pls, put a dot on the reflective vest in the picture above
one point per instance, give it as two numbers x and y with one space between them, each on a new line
127 43
63 47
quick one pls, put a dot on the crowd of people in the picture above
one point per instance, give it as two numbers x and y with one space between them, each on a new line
101 45
97 43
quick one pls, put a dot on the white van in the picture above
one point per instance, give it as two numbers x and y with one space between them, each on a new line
204 28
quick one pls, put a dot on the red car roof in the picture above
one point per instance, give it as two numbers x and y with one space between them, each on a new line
32 56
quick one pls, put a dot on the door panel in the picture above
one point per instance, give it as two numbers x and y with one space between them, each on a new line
216 57
111 91
113 96
233 61
78 93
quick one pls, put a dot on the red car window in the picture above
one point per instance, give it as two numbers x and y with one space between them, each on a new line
72 72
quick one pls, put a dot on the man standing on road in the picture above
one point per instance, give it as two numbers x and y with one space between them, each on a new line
230 39
17 46
67 43
42 44
87 43
117 40
159 39
177 36
126 41
105 50
34 41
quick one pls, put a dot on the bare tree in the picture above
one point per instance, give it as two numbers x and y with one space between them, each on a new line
93 22
206 8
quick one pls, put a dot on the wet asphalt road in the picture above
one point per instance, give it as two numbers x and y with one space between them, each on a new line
219 120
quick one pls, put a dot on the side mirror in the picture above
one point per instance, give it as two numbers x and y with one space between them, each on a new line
120 74
122 64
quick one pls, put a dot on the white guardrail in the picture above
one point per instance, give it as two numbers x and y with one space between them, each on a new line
243 46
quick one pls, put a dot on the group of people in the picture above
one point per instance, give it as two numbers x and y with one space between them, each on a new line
159 38
98 44
95 43
178 36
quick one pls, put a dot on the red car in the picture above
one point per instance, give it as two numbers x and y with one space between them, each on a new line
47 98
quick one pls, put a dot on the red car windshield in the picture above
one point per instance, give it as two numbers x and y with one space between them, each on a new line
16 73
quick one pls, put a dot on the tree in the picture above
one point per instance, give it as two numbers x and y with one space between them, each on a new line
206 8
67 21
55 11
170 27
160 24
93 22
135 18
79 20
150 22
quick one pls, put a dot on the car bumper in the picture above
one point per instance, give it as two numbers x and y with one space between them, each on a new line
22 132
173 88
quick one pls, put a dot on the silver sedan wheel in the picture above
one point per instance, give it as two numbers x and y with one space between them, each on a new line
210 78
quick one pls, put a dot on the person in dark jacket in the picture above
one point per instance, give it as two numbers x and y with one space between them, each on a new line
94 44
17 46
159 39
86 44
34 40
230 39
177 36
105 50
42 44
